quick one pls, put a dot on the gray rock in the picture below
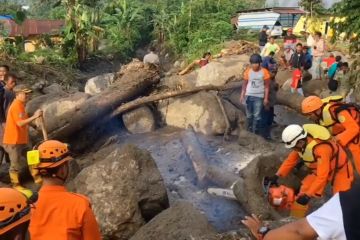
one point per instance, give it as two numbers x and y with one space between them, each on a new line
126 189
53 89
201 110
140 120
218 73
177 64
99 83
181 221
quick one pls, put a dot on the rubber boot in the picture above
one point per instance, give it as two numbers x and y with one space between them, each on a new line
299 211
14 178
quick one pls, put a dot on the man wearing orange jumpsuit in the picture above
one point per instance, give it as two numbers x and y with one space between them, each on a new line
59 214
341 119
325 159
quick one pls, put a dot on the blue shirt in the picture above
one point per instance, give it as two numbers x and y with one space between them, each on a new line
332 70
269 63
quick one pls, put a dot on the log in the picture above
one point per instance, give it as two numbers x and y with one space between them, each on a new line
195 154
289 99
130 85
204 171
175 93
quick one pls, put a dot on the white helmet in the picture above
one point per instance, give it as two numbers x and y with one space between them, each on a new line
292 134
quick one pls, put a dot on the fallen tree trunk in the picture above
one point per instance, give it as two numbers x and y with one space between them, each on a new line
204 171
130 85
289 99
195 154
175 93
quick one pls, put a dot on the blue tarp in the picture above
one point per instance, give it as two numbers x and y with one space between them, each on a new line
5 17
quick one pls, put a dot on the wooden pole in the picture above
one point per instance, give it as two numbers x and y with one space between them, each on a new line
43 128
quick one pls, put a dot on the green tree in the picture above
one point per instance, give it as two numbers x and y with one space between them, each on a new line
349 26
315 7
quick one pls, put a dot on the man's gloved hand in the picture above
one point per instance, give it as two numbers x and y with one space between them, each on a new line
273 180
303 199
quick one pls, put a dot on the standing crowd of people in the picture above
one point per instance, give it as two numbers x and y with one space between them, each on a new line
53 212
305 60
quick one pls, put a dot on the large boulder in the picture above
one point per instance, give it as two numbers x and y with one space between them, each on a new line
181 221
220 72
126 190
249 190
139 120
99 83
201 110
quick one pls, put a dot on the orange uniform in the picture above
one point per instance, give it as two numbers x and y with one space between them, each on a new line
61 215
13 133
324 159
343 122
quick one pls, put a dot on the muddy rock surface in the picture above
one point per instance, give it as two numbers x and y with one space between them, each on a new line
181 221
126 190
139 120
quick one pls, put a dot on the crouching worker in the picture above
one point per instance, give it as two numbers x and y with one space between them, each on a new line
14 214
336 219
59 214
325 159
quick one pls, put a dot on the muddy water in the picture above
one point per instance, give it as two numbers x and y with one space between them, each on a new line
180 178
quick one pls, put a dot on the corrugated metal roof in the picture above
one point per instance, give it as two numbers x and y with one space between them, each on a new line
289 11
32 27
256 20
284 10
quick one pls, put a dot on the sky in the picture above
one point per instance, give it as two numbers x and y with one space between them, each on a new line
294 3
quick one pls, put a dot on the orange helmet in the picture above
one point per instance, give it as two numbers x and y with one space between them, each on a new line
53 153
311 104
14 209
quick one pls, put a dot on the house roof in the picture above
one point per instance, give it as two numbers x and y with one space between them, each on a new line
32 27
281 10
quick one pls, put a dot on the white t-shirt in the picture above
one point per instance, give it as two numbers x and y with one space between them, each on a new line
327 221
310 41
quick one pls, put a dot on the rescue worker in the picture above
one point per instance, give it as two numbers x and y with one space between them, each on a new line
326 160
337 219
59 214
16 135
341 119
14 214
